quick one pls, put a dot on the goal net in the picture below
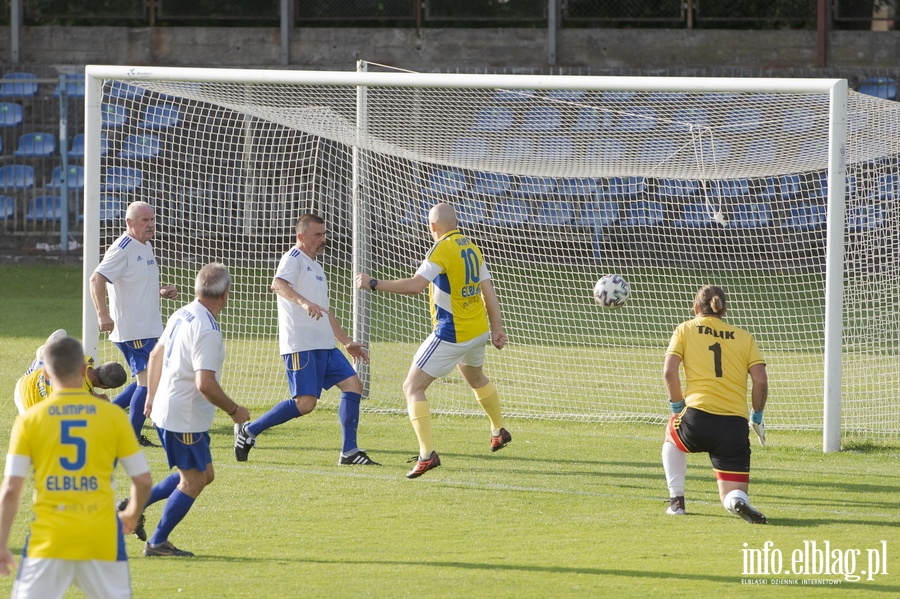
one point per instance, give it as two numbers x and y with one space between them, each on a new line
671 183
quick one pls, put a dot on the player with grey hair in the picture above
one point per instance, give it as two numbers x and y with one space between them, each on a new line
184 371
133 318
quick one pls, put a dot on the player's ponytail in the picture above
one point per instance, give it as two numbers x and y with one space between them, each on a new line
710 301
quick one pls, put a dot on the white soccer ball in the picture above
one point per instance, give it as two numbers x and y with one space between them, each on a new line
611 291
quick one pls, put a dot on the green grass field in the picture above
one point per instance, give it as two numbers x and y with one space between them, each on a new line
567 510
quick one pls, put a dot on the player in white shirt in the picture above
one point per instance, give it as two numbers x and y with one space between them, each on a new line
133 318
184 391
307 331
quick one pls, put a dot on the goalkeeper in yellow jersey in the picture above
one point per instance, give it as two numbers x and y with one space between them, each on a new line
466 317
710 414
35 386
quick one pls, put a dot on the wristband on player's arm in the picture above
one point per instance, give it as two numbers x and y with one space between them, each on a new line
677 406
756 417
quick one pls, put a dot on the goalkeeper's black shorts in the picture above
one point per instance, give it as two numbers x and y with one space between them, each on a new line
724 438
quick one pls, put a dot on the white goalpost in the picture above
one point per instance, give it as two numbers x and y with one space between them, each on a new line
783 191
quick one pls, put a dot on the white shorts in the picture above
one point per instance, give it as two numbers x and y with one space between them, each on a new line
17 397
46 578
437 357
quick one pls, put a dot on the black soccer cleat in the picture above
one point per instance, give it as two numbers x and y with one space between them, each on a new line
165 549
500 441
243 442
138 531
751 515
143 441
360 458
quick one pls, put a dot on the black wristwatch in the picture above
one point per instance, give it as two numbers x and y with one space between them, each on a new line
373 283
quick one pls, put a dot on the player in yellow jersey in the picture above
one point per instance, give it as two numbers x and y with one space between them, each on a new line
710 414
463 305
72 440
36 386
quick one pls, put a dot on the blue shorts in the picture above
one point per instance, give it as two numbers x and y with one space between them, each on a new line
137 353
309 372
186 451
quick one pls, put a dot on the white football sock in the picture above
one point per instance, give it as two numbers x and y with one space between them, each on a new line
728 500
675 464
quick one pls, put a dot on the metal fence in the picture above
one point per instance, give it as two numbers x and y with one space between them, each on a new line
709 14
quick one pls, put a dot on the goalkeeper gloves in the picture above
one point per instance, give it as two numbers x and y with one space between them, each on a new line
677 406
756 423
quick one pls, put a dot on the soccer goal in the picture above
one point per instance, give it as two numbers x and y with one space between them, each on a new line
783 191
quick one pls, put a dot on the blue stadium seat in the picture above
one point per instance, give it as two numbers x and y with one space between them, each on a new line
751 215
18 85
805 216
513 95
516 148
865 218
889 187
637 120
161 116
113 116
491 184
417 213
555 213
127 91
74 178
543 119
471 211
76 152
44 209
16 176
583 187
36 145
621 188
511 213
617 97
469 148
590 119
644 213
557 149
599 214
695 215
658 150
11 114
111 210
799 120
566 95
743 119
760 151
445 184
790 187
532 187
606 150
680 189
493 118
880 87
711 152
74 86
7 208
731 189
140 147
121 179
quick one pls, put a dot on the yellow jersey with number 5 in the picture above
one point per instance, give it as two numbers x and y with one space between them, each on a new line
716 357
73 441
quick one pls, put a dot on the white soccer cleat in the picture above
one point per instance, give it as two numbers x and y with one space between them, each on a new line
54 336
676 506
760 430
